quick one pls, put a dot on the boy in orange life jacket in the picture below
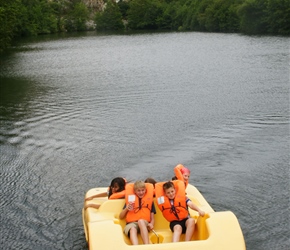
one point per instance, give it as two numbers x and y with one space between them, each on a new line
184 225
139 211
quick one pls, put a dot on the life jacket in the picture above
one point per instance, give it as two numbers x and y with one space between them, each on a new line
179 175
142 206
177 211
118 195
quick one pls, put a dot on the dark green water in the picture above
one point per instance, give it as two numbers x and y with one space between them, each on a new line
77 111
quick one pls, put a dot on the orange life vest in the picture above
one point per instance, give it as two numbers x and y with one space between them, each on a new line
179 175
118 195
177 210
142 207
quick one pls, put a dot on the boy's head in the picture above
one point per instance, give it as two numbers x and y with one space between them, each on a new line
140 188
169 189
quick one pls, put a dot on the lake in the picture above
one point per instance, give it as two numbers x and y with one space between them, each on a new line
79 110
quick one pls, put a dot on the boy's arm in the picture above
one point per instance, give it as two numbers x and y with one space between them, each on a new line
196 208
127 207
152 221
123 214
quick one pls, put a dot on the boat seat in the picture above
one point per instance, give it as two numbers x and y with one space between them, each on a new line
110 210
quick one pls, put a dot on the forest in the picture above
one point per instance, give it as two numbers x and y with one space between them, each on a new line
20 18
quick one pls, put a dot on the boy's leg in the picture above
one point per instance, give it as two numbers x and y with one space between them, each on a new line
131 230
144 231
177 230
190 225
134 236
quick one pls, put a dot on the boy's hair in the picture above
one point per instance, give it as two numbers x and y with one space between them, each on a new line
167 185
139 184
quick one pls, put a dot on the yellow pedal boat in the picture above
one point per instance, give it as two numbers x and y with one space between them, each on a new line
215 231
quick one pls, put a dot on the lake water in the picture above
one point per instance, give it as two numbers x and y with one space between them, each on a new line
77 111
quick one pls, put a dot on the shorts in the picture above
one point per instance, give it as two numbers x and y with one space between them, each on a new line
179 222
132 224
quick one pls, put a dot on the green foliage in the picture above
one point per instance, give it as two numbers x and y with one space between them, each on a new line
110 18
37 17
9 13
278 17
143 14
123 7
61 9
253 17
34 17
165 21
221 16
180 17
77 18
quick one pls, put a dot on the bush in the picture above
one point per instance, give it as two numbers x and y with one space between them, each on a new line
110 18
143 14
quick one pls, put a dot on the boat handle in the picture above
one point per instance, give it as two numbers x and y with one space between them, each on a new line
156 235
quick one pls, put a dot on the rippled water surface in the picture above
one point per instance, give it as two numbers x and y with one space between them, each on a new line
77 111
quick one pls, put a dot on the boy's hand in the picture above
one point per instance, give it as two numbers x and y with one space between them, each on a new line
201 213
130 206
150 226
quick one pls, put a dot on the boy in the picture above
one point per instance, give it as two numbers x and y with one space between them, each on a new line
139 211
174 207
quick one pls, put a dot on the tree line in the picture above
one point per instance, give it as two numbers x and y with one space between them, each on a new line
20 18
